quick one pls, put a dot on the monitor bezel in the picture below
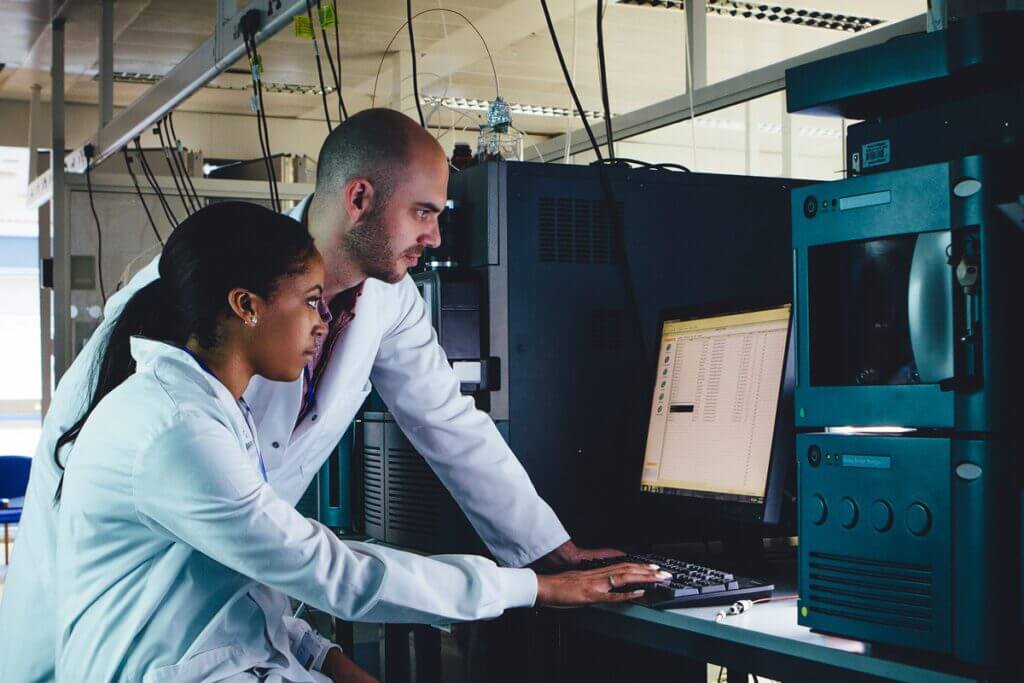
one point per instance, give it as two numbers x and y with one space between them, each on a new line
768 511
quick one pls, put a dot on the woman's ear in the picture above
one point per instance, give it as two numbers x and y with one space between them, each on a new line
244 306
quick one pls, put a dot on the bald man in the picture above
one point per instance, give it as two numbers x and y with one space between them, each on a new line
381 185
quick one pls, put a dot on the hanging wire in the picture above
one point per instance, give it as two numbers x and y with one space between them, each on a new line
158 129
255 76
181 159
412 52
569 118
138 191
335 71
147 172
604 80
261 119
394 36
337 51
99 234
319 65
568 80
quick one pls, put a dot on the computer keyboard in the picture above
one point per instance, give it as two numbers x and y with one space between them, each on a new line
691 584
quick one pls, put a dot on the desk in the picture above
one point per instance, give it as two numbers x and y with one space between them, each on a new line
765 640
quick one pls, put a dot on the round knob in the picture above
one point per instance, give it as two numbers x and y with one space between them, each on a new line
848 513
814 456
881 516
818 510
919 519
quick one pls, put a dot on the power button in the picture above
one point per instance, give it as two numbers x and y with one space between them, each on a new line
810 206
814 456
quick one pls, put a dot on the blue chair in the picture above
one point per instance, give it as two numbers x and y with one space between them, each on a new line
14 470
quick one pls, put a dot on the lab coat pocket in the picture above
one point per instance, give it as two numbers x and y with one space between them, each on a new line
211 665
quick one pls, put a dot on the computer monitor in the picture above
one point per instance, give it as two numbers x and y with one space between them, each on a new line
720 429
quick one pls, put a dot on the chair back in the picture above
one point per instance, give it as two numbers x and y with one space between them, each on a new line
14 470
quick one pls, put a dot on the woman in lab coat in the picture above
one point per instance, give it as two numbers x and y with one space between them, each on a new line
174 554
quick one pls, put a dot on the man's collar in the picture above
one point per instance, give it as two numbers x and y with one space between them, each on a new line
301 212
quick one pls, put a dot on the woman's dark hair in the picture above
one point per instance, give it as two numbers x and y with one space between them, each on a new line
221 247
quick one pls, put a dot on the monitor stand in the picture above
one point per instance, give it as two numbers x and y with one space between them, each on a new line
743 550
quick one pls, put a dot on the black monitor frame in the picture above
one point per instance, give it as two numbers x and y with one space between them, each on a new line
783 437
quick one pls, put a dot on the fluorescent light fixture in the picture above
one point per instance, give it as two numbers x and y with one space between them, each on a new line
287 88
797 16
470 104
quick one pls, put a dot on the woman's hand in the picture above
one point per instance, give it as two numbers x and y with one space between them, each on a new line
595 585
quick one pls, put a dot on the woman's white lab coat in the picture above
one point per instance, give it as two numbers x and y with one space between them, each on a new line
166 527
390 342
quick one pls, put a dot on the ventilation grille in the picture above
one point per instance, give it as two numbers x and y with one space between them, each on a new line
895 594
414 494
606 328
576 231
373 487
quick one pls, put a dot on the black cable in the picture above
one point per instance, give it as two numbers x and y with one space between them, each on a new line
412 51
276 198
330 59
337 51
568 80
384 54
604 80
177 173
181 159
261 119
319 65
147 172
618 230
138 191
171 167
99 234
150 176
623 161
264 148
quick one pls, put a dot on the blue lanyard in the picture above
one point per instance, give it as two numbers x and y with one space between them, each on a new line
310 389
250 423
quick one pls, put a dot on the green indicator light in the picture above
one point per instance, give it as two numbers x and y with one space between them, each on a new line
803 611
803 413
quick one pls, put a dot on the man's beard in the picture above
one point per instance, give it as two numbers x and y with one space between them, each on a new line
368 242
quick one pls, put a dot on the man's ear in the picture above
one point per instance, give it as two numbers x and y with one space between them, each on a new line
358 198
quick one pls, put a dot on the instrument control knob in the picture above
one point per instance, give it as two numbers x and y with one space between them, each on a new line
848 513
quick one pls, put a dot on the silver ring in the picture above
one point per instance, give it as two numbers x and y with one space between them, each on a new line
611 580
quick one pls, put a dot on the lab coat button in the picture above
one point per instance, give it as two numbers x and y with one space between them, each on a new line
314 418
275 444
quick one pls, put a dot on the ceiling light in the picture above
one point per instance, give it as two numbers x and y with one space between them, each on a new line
798 16
525 109
268 86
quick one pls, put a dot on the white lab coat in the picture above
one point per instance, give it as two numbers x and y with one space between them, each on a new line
166 522
391 342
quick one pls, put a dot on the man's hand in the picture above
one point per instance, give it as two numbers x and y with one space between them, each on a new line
568 555
570 589
341 669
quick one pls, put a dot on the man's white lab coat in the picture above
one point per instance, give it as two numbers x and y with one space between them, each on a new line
389 342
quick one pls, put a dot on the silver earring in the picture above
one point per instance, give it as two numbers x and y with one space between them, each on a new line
251 322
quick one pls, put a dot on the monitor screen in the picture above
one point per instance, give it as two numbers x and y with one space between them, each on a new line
716 397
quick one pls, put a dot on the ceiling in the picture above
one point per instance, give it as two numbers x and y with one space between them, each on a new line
644 48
